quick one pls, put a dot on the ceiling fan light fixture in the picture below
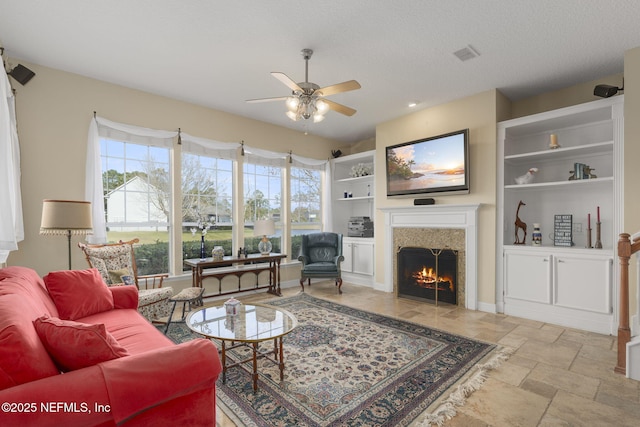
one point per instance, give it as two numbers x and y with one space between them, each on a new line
292 103
321 107
306 99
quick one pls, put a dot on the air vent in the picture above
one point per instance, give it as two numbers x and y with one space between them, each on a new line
466 53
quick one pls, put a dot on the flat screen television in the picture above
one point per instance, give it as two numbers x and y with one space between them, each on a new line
430 166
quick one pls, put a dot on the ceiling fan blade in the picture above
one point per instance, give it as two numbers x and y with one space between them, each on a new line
339 88
287 81
339 108
279 98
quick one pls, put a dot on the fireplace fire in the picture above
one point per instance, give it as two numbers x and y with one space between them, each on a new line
428 274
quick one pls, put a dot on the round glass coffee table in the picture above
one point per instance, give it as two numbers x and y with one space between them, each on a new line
254 323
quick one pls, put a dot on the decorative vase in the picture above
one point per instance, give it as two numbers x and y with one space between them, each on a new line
203 255
537 235
217 253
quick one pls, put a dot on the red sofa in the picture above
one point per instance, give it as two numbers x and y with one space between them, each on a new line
60 367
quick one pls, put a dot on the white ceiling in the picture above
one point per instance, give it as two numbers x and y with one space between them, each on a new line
219 53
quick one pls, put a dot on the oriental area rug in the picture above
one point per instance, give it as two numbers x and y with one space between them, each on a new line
348 367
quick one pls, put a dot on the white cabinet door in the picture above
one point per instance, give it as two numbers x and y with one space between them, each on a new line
583 283
528 277
347 251
363 258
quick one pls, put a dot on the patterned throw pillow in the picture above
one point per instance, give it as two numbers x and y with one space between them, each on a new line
73 345
115 276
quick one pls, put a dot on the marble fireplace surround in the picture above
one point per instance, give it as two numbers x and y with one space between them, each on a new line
448 217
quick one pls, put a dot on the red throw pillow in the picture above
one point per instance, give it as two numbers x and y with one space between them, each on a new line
78 293
73 345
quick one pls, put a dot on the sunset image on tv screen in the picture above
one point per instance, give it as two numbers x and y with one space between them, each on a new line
427 165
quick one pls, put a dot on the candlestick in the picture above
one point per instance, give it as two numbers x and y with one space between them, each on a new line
589 221
598 214
589 237
598 244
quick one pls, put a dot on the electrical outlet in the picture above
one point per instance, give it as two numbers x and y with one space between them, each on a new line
577 227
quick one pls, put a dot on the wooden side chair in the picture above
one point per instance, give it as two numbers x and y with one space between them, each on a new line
114 260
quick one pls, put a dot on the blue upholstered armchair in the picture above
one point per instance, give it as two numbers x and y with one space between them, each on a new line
321 255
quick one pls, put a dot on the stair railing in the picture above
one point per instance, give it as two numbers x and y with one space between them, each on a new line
626 248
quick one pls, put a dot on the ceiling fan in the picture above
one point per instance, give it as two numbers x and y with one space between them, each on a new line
307 99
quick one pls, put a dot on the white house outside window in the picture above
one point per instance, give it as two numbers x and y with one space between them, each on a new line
137 199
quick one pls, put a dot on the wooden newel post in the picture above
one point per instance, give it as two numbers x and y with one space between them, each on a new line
624 333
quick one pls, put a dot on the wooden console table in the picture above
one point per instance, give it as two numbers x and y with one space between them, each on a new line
254 263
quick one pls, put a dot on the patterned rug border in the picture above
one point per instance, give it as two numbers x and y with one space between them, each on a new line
445 406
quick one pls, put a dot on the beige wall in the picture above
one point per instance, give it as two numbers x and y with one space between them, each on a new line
54 110
566 97
631 158
479 113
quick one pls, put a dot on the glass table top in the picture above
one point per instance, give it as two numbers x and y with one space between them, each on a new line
253 323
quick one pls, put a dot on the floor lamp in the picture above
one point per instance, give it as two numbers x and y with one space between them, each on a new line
66 217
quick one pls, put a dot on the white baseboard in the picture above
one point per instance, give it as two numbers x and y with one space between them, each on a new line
486 307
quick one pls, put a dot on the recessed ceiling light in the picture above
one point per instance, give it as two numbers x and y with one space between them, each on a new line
412 104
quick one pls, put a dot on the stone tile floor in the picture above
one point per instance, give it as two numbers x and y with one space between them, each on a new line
556 376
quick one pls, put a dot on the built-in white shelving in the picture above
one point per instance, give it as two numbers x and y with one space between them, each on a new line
353 196
573 286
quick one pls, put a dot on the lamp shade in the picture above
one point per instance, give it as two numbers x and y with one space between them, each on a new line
264 227
65 217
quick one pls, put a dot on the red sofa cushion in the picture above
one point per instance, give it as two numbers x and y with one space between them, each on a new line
74 345
131 330
78 293
23 357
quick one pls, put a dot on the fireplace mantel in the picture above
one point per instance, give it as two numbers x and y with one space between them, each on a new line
436 216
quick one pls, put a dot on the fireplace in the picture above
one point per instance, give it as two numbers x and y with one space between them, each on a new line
428 274
434 226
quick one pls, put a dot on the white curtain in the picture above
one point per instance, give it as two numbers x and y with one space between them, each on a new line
208 147
11 221
262 157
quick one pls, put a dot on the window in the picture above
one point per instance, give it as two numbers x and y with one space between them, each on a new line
306 212
207 198
130 173
262 199
137 199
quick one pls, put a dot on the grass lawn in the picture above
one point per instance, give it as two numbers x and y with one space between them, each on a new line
163 236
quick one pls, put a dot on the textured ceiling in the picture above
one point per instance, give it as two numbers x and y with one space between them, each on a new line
218 54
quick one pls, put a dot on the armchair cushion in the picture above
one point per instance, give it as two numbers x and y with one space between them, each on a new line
115 276
321 267
78 293
74 345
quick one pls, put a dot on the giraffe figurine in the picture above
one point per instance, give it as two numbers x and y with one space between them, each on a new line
520 225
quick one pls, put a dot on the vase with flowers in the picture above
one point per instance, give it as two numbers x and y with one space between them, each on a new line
203 226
